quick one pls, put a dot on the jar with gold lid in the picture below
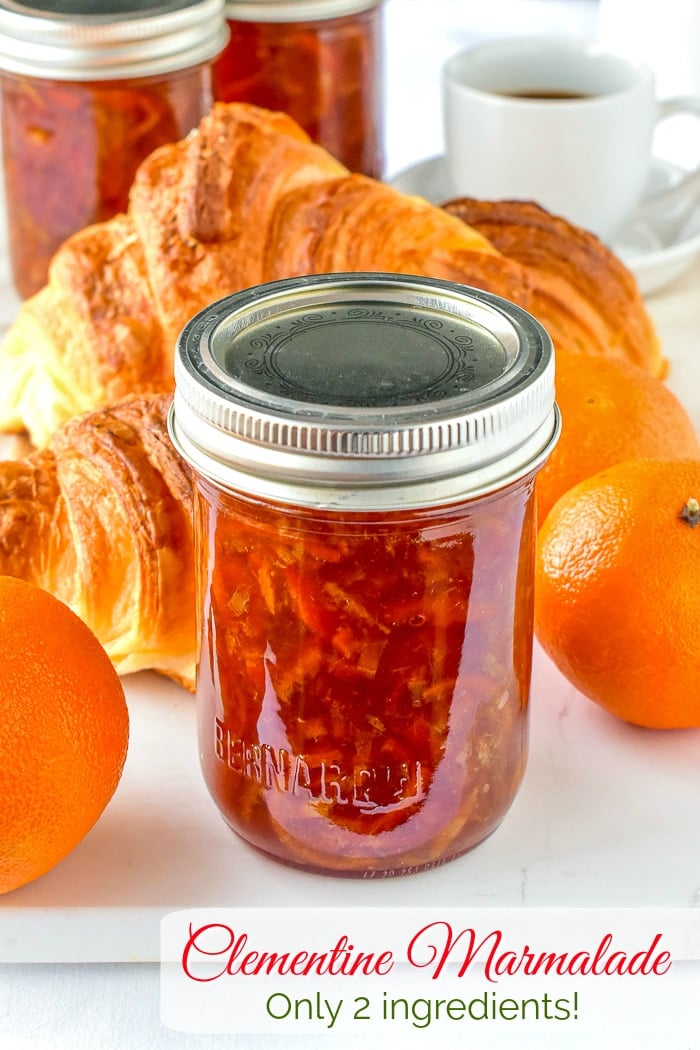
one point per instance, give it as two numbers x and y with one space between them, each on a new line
89 88
364 448
320 61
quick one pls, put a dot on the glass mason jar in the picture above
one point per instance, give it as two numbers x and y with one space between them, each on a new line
364 449
88 89
320 61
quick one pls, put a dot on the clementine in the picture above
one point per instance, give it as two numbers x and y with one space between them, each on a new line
612 410
63 731
617 602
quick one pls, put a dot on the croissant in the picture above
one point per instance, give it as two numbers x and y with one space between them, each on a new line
102 518
603 313
247 198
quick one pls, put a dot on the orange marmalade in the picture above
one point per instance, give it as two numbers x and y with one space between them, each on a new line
85 98
320 61
364 450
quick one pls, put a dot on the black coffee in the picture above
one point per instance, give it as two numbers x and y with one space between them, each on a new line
553 95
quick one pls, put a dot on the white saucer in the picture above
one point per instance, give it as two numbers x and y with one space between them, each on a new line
655 265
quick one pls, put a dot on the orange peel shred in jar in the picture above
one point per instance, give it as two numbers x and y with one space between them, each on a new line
89 88
364 449
320 61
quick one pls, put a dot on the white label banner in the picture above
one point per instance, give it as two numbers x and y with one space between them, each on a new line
552 976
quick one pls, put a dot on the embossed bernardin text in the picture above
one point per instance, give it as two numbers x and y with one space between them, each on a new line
277 769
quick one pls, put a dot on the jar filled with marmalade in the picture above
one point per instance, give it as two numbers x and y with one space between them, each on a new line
89 88
364 449
320 61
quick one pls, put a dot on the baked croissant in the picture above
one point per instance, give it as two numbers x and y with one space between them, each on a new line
102 518
247 198
604 311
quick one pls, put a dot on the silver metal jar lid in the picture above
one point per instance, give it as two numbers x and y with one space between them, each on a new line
108 39
295 10
364 391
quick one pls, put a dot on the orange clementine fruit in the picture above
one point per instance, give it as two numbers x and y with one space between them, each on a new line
64 730
617 601
612 410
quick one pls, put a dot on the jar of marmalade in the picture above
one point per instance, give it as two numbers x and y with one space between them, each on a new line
89 88
320 61
364 449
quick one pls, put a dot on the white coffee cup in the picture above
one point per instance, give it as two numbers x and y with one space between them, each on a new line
558 120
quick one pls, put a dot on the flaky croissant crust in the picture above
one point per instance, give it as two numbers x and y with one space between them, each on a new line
247 198
102 518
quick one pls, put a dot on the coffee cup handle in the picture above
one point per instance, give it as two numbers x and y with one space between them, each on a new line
669 209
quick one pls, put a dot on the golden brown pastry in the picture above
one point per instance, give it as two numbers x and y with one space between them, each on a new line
583 294
247 198
102 518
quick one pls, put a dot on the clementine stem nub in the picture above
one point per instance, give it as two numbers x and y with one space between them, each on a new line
691 512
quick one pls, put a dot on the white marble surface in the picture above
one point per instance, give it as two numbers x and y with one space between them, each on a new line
606 818
602 808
